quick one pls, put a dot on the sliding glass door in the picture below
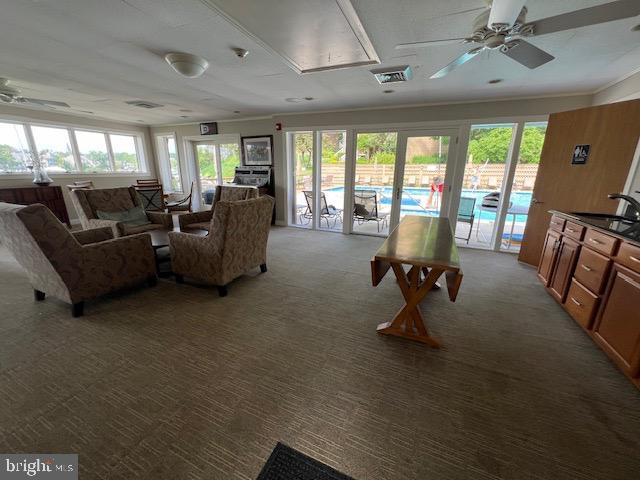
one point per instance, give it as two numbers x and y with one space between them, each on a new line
426 173
317 180
216 162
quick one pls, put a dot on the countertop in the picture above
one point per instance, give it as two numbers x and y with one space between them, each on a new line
611 224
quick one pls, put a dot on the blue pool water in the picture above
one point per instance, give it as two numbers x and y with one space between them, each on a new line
414 201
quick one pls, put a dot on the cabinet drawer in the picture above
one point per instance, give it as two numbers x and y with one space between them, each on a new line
556 223
629 256
581 304
573 230
592 270
600 242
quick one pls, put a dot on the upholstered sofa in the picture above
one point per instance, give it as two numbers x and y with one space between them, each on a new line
89 202
225 193
73 267
237 242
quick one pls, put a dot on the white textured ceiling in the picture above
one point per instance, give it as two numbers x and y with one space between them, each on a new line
97 54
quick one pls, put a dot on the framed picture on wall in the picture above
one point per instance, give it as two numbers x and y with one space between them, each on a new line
257 150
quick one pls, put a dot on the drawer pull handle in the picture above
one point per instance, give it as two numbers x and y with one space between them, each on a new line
635 259
588 269
571 230
597 242
576 302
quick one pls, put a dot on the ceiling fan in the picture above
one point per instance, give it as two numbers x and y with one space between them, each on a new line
9 94
503 27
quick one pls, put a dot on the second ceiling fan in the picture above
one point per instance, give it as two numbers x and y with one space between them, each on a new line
503 26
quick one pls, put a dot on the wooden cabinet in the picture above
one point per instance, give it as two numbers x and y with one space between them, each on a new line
567 256
595 276
50 196
548 258
617 327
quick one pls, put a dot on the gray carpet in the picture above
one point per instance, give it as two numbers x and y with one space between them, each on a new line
173 382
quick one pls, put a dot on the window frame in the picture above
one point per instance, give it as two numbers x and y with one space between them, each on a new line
28 123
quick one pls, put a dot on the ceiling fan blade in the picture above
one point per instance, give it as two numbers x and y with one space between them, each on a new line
504 13
464 58
587 16
52 103
430 43
527 54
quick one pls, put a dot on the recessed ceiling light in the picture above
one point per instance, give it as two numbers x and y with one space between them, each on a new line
293 100
186 110
308 99
388 91
236 111
636 28
494 81
184 116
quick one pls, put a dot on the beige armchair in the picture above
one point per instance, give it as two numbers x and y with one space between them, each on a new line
73 267
87 203
225 193
237 243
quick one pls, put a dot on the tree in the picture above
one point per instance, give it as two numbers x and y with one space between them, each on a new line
9 161
492 144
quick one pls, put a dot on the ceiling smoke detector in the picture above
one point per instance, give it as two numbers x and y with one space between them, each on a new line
240 52
393 74
186 64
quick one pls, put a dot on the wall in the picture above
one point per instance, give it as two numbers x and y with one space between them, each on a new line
626 89
100 181
374 117
612 131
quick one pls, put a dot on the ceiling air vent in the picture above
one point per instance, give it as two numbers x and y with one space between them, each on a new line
393 74
143 104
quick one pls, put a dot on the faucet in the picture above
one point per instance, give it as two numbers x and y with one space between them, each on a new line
632 201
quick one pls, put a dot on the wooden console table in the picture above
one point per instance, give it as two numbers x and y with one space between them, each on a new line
50 196
428 246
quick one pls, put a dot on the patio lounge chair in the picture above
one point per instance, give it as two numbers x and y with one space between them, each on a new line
327 212
365 208
466 215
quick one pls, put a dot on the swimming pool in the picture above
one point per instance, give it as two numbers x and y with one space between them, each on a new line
415 199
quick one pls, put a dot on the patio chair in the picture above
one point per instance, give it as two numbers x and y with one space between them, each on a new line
183 204
365 208
152 197
148 181
327 212
466 215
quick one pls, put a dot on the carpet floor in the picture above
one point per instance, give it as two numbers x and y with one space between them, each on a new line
173 382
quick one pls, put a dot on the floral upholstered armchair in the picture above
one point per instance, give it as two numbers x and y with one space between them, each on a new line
89 202
237 243
73 267
225 193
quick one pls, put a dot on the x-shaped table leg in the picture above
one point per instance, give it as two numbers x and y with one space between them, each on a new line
408 322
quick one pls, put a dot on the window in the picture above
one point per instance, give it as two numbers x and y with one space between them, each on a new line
94 155
169 162
230 159
125 155
15 153
54 148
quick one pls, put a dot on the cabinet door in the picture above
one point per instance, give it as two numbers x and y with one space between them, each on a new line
548 257
618 325
565 264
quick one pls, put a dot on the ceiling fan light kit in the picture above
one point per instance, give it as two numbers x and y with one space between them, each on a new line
503 27
187 64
